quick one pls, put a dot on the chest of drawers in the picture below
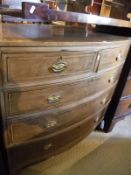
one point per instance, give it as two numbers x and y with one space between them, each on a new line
54 91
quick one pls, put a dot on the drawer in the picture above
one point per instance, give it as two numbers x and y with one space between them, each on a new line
28 67
124 107
112 57
127 89
42 149
38 126
57 95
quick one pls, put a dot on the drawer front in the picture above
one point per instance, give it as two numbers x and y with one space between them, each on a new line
112 57
54 96
27 67
124 107
39 126
43 149
127 89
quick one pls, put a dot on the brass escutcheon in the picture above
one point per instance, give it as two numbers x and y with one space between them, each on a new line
103 101
48 146
111 80
119 57
54 99
59 66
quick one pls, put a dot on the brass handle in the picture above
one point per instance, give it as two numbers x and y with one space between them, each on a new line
97 62
54 98
111 80
59 66
51 123
48 146
119 57
103 102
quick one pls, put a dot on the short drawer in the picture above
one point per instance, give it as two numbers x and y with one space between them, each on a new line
112 57
40 125
124 107
57 95
127 89
47 147
28 67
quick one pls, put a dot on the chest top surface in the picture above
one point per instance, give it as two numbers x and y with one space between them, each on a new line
52 35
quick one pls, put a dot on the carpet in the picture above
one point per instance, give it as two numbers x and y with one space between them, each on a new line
98 154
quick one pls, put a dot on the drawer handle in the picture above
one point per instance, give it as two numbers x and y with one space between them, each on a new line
59 66
111 80
54 99
48 146
119 57
51 123
97 62
103 102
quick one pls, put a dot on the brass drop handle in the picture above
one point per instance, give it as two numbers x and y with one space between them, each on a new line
119 57
51 123
48 146
103 102
59 66
54 99
97 62
111 80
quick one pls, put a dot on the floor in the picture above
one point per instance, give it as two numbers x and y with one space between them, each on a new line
98 154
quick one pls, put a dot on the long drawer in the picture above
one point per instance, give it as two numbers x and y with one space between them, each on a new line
124 107
40 125
44 148
57 95
43 66
25 67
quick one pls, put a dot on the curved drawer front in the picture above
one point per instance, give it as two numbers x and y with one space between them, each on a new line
127 89
27 67
112 57
44 148
45 66
124 107
54 96
49 122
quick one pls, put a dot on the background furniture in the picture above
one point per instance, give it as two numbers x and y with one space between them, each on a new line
115 8
124 106
16 3
120 105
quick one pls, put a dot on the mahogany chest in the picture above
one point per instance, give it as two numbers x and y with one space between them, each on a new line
55 86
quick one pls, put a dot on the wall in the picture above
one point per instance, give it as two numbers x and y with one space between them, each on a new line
16 3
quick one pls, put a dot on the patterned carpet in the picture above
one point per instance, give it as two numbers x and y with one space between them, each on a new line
98 154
